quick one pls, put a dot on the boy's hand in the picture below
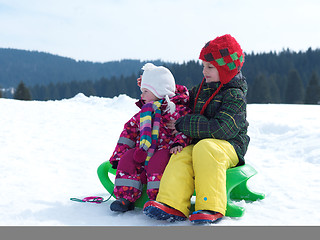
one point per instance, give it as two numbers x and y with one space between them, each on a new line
176 149
171 125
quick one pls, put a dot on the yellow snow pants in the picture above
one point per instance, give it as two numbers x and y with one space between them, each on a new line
201 167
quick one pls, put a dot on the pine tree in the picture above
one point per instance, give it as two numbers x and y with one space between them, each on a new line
22 92
295 90
260 90
274 90
313 90
0 92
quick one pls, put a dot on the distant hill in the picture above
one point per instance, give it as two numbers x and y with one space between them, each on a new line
33 67
273 77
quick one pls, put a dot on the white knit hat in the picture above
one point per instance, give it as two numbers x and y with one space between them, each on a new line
160 81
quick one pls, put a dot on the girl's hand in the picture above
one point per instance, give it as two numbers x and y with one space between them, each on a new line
139 81
176 149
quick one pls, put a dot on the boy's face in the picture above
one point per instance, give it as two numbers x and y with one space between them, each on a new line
147 95
210 72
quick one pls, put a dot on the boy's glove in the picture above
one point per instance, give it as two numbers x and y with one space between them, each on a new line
139 155
115 164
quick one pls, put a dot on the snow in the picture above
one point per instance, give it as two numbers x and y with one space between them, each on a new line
50 152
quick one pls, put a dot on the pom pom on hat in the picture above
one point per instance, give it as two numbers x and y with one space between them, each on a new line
225 54
159 80
148 67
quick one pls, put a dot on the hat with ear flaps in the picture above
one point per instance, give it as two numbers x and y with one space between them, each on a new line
226 55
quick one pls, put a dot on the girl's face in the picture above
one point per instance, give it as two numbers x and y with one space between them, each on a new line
147 95
210 72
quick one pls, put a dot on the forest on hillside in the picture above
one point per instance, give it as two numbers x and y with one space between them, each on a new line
284 77
33 67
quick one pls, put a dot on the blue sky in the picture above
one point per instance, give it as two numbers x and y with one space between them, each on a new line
170 30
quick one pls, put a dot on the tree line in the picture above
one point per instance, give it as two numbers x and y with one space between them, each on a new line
262 90
285 77
34 67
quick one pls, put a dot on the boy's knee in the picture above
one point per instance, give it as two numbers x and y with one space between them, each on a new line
209 147
204 145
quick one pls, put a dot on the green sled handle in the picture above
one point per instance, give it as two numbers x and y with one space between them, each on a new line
236 187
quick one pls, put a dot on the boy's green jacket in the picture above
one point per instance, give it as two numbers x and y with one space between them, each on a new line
224 118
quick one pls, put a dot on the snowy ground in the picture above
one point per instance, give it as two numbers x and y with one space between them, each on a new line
50 152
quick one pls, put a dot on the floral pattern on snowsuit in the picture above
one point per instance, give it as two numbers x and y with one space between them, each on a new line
130 175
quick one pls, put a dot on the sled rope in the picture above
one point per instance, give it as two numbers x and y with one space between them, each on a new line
91 199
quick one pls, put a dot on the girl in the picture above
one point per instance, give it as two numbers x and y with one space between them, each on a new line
146 143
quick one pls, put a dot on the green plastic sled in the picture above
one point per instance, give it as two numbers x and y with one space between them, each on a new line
237 188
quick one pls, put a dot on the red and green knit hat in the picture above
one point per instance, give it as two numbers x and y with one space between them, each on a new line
225 54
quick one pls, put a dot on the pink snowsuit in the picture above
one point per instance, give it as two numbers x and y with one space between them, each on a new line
131 175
